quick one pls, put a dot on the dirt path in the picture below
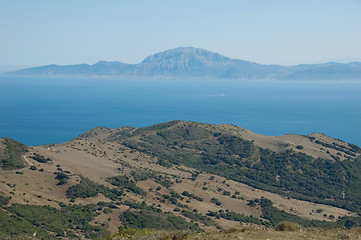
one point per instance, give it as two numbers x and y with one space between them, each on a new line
31 164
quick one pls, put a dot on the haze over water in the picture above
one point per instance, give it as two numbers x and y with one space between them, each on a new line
39 111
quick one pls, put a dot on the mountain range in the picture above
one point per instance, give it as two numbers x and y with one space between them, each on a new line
177 175
189 62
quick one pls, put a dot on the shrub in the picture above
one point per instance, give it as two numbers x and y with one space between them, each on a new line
349 223
198 217
40 158
13 154
32 168
216 201
62 178
185 193
48 221
156 220
107 210
85 189
124 182
288 226
3 199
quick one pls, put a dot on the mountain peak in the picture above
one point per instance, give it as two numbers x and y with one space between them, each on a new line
186 62
187 54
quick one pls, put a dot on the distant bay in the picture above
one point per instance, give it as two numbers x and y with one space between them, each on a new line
44 110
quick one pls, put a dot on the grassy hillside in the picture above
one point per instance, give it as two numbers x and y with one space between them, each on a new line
46 222
10 154
179 177
291 173
241 233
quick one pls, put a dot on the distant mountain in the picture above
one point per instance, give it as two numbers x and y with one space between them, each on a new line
189 62
328 71
10 68
100 68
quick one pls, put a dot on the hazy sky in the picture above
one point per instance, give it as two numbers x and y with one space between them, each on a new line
284 32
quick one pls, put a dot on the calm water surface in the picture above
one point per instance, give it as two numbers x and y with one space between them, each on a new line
39 110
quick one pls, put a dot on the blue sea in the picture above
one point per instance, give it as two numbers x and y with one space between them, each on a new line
39 111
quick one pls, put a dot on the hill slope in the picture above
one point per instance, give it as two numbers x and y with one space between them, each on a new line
189 62
179 175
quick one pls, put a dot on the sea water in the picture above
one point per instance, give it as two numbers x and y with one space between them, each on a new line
45 110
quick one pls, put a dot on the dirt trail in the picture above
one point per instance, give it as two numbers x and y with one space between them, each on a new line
27 161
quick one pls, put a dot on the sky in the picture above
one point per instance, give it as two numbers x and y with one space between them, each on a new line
286 32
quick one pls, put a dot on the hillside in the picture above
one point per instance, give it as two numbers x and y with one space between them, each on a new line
177 175
196 63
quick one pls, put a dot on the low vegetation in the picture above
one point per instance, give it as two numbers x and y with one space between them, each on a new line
290 173
62 178
155 220
12 155
288 226
41 159
245 233
144 216
198 217
3 199
275 216
49 223
124 183
350 149
229 215
171 161
87 188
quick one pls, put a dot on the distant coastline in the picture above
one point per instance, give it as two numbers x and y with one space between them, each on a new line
196 63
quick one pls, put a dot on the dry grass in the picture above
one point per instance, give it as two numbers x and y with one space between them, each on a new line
91 156
241 234
97 161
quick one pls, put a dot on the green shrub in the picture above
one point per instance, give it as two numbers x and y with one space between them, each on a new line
288 226
216 201
32 168
229 215
198 217
155 220
124 182
107 210
49 222
13 154
61 177
40 158
3 199
163 180
87 188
